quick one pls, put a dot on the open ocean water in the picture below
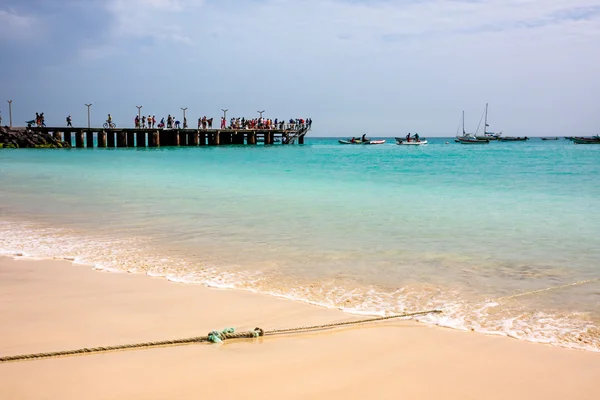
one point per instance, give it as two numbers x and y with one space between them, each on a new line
368 229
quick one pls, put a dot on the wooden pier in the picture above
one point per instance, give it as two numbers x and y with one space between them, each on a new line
146 137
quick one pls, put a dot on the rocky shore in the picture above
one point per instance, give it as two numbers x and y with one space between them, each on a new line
14 138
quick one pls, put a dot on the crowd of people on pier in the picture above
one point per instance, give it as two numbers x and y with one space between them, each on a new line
265 123
234 123
149 122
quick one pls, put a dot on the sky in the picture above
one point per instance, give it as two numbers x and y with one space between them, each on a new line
381 67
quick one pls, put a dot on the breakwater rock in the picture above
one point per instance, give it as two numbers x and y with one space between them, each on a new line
14 138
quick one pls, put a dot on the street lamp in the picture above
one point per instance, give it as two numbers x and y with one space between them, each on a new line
261 112
139 116
184 120
88 106
225 113
10 112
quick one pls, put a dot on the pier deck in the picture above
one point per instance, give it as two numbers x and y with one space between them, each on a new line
147 137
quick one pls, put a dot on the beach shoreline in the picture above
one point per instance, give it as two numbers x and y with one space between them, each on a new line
56 305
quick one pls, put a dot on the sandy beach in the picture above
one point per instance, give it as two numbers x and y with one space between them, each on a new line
55 305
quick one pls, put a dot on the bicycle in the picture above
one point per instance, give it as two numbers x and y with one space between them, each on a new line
110 125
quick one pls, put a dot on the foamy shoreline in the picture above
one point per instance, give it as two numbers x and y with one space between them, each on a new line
55 305
447 320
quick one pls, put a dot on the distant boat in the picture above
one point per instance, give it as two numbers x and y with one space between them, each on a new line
587 140
486 134
361 142
550 138
404 142
469 138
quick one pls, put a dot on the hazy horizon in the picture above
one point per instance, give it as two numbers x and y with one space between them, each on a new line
380 67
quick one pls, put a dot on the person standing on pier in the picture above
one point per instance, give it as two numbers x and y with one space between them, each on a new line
177 123
137 122
69 121
143 121
184 123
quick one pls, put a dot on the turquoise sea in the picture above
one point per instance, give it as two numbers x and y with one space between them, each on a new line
368 229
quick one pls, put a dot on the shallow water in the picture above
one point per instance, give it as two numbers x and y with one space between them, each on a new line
370 229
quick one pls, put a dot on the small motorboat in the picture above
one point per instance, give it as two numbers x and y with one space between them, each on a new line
471 140
550 138
587 140
350 141
404 142
361 142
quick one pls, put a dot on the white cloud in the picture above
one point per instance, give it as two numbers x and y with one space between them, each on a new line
156 19
14 25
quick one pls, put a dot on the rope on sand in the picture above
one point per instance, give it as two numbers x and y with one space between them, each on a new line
546 289
214 336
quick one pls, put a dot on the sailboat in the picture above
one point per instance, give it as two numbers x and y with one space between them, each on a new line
486 134
469 138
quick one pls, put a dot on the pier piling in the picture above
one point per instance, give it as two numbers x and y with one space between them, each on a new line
110 136
89 139
121 139
140 139
131 138
251 137
67 138
153 139
102 139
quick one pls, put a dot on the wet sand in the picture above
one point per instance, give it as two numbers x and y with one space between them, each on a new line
55 305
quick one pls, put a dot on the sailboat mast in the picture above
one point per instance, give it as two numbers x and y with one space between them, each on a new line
463 122
485 122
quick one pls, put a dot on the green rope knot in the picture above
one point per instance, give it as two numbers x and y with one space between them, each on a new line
219 336
258 332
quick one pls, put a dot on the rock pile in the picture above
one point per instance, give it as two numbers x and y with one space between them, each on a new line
22 137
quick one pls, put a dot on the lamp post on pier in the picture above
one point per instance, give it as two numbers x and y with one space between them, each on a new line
10 112
261 113
225 113
184 120
139 116
88 106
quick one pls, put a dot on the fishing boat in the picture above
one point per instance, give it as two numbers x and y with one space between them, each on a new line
350 141
587 140
361 142
486 134
513 139
469 138
405 142
550 138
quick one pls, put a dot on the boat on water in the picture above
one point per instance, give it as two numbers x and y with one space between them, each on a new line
486 134
586 140
550 138
361 142
513 139
469 138
409 140
405 142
